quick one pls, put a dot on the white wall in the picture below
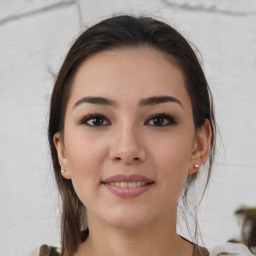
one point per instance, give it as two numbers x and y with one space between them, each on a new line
34 37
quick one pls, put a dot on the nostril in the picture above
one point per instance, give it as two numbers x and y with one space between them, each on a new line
118 159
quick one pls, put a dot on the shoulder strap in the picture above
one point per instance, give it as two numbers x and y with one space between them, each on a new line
46 250
200 251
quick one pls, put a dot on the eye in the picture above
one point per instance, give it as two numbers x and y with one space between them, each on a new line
95 120
161 120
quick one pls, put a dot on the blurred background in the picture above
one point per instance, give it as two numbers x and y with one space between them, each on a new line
34 38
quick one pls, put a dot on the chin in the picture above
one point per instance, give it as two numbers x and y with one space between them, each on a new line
128 219
128 225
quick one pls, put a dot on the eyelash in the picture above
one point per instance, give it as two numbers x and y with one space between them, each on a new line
166 120
170 119
86 119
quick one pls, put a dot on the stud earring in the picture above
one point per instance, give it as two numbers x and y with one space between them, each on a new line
62 171
196 166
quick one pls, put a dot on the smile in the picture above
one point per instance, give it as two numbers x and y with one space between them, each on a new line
128 186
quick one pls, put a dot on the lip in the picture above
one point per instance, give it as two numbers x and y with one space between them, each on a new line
128 192
127 178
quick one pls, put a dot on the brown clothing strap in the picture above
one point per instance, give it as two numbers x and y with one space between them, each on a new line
46 250
200 251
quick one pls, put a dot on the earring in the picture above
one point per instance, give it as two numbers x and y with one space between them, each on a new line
62 171
196 166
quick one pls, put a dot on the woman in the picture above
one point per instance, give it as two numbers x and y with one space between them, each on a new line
131 124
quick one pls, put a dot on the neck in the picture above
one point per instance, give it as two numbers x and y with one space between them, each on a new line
157 239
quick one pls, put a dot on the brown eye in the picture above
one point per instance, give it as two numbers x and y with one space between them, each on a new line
161 120
158 121
95 120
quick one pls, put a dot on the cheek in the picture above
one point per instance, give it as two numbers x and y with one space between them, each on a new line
173 152
172 160
84 151
85 160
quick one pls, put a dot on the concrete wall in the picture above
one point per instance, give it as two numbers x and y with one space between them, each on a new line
34 37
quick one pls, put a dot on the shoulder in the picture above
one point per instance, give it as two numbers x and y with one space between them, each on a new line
230 249
34 253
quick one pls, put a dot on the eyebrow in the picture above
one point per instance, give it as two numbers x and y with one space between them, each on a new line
158 100
96 100
144 102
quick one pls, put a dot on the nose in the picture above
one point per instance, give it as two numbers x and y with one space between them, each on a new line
127 147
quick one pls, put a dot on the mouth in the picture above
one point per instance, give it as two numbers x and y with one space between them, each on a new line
124 184
128 186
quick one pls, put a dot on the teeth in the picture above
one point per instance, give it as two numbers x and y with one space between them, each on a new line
128 184
117 184
132 184
123 185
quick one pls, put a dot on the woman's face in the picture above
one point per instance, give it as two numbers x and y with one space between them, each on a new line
129 141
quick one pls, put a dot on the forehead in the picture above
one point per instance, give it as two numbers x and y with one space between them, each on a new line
129 72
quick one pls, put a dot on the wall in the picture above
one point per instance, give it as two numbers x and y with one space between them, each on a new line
34 37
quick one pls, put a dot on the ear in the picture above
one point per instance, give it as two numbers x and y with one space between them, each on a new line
201 147
63 161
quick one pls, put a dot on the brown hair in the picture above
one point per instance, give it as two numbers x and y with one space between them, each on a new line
118 32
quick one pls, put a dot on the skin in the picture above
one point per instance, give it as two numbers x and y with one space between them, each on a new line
129 141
